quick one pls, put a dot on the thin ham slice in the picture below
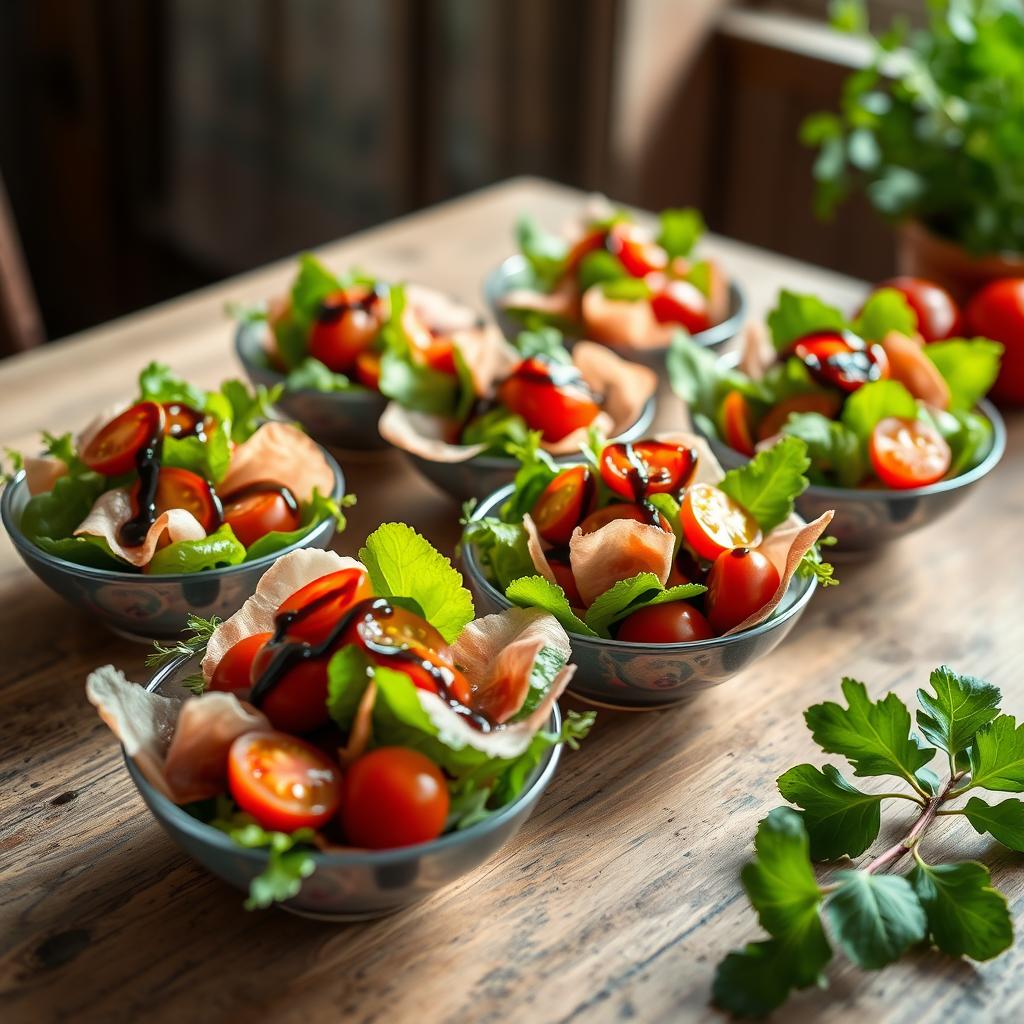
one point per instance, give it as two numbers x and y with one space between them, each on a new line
42 472
487 355
915 371
757 353
621 549
625 386
561 303
113 509
535 546
287 575
281 454
424 435
441 312
624 323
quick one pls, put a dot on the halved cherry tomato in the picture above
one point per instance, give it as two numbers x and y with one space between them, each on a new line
393 797
234 670
554 401
346 324
624 510
740 582
333 595
565 579
826 403
401 640
563 504
113 449
679 302
675 622
634 251
841 360
440 355
908 453
647 467
736 423
283 782
368 369
260 509
181 488
712 522
183 421
938 316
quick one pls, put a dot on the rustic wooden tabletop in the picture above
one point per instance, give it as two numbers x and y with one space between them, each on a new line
620 894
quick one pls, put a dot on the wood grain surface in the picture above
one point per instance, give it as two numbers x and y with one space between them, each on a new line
620 894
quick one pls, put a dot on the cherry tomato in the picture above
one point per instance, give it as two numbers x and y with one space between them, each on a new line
826 403
393 797
113 449
181 488
593 239
439 355
675 622
735 415
634 251
647 467
258 510
908 453
346 324
997 312
565 579
283 782
234 670
333 595
548 398
712 522
563 504
740 582
368 369
679 302
401 640
938 315
841 360
297 702
685 569
182 420
624 510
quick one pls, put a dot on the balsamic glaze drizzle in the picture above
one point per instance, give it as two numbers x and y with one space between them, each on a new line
147 463
637 478
560 375
262 487
334 307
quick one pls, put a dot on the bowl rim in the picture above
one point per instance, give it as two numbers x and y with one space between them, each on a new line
202 832
23 544
773 621
711 337
991 460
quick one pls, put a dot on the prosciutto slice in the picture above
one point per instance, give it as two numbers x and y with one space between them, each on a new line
282 454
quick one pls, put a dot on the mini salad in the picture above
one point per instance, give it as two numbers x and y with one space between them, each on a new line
875 399
650 542
181 480
534 385
617 282
352 704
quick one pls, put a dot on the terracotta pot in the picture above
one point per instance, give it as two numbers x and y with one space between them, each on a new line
920 253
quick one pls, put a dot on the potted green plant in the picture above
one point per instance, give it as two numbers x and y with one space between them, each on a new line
933 131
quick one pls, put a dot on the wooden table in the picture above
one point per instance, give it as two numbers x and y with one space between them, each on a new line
620 894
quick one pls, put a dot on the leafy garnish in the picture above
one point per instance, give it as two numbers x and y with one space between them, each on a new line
214 551
873 402
796 315
885 310
313 375
832 448
544 341
630 595
401 563
195 636
538 592
501 548
767 485
680 231
968 367
544 252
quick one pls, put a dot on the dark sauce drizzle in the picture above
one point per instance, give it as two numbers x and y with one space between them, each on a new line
262 487
287 653
184 421
333 309
637 478
147 463
559 375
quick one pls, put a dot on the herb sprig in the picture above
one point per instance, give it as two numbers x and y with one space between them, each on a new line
875 912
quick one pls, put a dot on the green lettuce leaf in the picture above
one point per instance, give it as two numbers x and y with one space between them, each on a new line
680 231
873 402
209 458
630 595
538 592
599 267
91 551
57 513
834 449
548 342
546 253
969 367
501 548
499 429
796 315
312 375
246 409
536 470
767 485
215 551
159 383
885 310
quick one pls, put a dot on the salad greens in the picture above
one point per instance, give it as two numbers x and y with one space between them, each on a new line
872 914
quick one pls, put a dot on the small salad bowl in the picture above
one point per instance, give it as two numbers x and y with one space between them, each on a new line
514 274
339 419
149 607
648 677
346 885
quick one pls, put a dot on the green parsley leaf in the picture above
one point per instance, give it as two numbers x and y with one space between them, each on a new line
63 448
874 737
401 563
1004 822
960 707
538 592
875 918
839 818
885 310
767 485
969 367
796 315
680 232
753 981
966 916
536 470
544 252
873 402
313 283
630 595
997 756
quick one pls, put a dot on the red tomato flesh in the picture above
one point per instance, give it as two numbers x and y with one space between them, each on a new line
368 369
333 595
181 488
283 782
841 360
563 504
634 471
346 324
675 622
257 511
556 406
680 302
938 316
736 418
624 510
113 449
234 670
638 255
908 453
712 522
565 579
740 583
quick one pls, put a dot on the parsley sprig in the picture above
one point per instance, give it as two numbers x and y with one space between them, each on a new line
876 912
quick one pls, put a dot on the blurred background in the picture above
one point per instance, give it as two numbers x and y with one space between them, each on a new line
148 148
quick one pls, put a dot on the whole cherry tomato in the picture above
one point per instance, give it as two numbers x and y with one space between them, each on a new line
283 782
938 316
634 251
181 488
554 400
636 470
297 700
841 360
639 513
234 670
674 622
908 453
736 416
997 312
260 509
393 797
713 522
679 302
113 448
346 324
741 582
563 504
827 403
